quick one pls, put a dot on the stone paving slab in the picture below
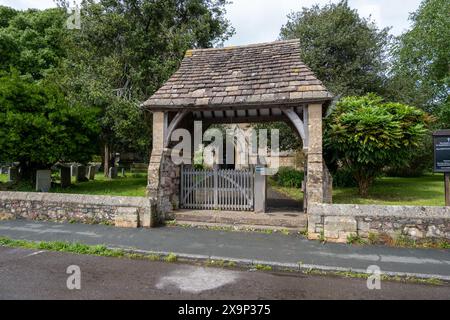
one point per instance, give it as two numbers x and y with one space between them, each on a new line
241 246
273 219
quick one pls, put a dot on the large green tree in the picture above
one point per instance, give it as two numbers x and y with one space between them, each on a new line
126 50
32 41
38 125
421 73
39 128
347 52
365 134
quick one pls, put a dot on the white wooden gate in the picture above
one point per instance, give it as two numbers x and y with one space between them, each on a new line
217 189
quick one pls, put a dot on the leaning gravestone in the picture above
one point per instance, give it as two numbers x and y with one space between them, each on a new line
81 174
91 172
66 177
74 170
12 174
113 173
43 180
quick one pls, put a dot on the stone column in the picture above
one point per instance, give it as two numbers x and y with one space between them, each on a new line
315 163
160 125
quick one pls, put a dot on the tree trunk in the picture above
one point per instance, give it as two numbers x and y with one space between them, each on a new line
363 186
106 160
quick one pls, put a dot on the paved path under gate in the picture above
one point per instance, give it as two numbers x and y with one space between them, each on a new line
277 201
274 249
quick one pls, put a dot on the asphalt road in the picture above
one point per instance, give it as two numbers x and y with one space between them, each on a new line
28 274
246 247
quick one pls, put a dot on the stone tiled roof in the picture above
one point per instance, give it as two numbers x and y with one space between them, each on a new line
262 74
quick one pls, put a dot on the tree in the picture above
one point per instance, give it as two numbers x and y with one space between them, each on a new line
32 41
365 134
421 73
126 50
346 52
38 127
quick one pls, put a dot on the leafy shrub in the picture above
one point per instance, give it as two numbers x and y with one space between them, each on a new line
289 178
367 135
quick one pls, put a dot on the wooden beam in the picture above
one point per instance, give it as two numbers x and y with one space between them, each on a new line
173 125
298 123
249 119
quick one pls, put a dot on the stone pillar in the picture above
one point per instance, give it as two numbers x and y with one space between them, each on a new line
155 181
315 163
260 190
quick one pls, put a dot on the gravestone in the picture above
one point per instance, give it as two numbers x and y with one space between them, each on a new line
74 170
66 177
81 174
91 172
43 180
112 173
13 173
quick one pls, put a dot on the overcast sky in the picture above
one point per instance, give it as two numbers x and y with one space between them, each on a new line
260 20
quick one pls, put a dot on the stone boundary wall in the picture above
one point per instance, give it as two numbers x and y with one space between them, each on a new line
335 222
130 212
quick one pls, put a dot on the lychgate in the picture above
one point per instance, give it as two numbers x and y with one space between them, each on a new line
237 85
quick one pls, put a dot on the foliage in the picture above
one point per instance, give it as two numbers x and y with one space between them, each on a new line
126 50
288 139
355 239
343 177
421 74
289 177
31 41
346 52
37 126
420 162
366 134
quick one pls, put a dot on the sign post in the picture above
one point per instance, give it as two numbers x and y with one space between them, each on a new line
441 142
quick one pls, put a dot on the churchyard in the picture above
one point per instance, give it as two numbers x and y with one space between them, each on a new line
427 190
132 185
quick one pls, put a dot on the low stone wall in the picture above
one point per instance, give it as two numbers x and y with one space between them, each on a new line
119 211
335 222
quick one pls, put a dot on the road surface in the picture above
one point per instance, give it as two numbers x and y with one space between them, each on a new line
30 274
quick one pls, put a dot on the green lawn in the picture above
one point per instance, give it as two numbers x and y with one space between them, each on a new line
131 186
426 191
